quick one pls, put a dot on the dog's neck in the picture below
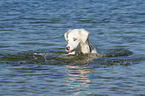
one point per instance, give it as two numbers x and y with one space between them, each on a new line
82 48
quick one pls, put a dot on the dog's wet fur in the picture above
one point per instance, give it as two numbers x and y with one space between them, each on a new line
78 42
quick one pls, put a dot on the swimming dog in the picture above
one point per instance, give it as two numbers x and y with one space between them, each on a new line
78 42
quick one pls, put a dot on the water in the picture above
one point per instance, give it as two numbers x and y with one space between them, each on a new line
32 48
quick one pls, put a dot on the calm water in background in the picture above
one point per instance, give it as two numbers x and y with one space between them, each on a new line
30 27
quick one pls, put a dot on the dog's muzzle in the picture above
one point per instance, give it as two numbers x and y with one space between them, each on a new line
67 48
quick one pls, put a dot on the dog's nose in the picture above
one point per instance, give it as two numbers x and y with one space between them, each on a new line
67 48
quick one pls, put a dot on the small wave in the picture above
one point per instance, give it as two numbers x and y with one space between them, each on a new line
117 52
110 57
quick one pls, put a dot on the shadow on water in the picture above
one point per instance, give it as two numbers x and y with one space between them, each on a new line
105 58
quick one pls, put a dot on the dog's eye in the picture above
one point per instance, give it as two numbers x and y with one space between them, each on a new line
74 38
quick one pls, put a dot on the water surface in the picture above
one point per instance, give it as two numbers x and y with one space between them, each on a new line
32 48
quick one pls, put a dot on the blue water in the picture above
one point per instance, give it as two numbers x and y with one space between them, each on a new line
32 48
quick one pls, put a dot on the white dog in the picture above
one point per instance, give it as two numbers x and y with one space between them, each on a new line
78 42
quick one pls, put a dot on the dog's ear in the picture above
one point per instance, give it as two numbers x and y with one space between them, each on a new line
84 35
66 35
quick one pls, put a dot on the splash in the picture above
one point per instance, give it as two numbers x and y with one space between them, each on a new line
107 57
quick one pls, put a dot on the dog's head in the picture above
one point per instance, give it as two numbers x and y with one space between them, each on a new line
74 38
